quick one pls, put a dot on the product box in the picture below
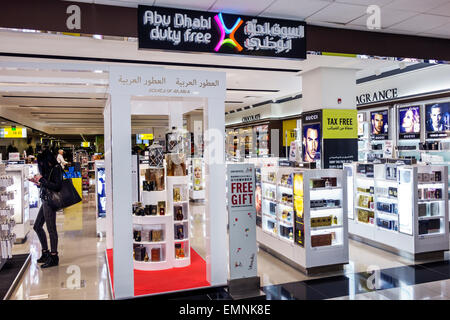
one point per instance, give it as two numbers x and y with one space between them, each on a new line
321 240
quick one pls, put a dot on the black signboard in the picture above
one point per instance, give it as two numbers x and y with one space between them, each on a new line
201 31
339 151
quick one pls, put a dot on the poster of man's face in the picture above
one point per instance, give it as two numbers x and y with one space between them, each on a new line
438 117
379 120
311 142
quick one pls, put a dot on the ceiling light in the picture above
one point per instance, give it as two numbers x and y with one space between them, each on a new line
98 71
97 36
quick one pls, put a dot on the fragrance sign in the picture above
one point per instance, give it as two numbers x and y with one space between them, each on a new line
201 31
242 220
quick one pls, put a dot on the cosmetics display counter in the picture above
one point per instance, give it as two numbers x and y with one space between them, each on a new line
20 203
400 208
7 223
303 220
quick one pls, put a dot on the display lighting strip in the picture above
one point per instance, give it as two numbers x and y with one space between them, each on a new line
224 30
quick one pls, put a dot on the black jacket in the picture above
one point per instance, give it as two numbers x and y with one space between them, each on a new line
52 182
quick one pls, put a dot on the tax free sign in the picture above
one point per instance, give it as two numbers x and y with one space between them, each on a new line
201 31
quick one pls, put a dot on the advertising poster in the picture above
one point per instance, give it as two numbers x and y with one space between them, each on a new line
198 174
340 137
437 119
242 221
409 122
311 142
299 227
379 121
289 133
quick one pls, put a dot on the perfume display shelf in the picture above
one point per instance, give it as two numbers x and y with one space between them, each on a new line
161 220
303 221
7 223
399 208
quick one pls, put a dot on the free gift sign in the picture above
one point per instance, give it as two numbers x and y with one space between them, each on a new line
242 220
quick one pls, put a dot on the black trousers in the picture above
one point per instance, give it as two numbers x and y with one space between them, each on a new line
48 216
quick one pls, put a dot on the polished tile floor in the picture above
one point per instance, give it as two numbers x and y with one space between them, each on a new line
82 253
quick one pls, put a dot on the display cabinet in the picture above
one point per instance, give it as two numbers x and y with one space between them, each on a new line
161 223
100 199
34 199
20 203
7 223
400 208
303 220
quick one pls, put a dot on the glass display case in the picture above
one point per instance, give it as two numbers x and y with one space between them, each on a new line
20 203
400 208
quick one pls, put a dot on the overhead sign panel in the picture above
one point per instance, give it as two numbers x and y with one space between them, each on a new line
201 31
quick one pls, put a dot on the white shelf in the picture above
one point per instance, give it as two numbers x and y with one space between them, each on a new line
325 188
326 227
270 216
431 235
180 221
269 183
430 217
430 200
268 199
149 242
180 241
362 208
285 223
387 213
325 208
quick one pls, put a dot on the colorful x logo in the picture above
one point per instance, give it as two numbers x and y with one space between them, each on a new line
224 30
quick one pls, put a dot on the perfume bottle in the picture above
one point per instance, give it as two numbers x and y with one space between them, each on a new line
146 257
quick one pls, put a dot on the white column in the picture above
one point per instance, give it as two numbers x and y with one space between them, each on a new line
107 143
216 214
322 87
122 196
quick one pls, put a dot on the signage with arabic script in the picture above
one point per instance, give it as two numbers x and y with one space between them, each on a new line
200 31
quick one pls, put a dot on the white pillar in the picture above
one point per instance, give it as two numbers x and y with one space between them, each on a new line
322 87
216 214
108 186
122 196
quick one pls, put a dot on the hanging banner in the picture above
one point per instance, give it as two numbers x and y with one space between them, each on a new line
203 31
242 220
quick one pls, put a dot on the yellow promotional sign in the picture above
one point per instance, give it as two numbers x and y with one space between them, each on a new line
146 136
289 127
339 124
16 132
85 144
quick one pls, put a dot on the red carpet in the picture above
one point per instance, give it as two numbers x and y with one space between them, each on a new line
150 282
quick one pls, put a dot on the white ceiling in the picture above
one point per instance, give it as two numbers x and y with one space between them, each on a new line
429 18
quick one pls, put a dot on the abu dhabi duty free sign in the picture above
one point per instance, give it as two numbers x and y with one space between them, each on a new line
201 31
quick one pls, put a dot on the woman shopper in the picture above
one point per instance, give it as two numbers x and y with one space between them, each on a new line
49 180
